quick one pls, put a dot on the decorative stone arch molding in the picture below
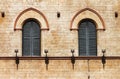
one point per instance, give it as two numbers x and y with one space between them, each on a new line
31 13
87 13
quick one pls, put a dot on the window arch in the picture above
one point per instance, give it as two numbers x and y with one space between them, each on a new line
87 36
31 35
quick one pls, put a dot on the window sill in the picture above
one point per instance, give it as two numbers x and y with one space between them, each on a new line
62 58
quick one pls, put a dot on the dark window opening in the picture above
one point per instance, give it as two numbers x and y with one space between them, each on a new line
31 38
87 37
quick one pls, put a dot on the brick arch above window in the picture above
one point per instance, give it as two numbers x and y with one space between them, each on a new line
31 13
87 13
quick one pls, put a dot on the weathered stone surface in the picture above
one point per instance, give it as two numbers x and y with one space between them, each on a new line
59 39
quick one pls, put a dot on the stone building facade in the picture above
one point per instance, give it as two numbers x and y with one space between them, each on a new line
59 26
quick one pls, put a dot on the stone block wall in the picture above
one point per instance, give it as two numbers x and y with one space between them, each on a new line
59 39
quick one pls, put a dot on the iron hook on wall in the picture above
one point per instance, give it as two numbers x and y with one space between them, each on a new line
72 58
103 58
88 76
46 59
16 58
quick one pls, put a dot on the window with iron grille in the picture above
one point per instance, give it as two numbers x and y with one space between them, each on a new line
87 37
31 38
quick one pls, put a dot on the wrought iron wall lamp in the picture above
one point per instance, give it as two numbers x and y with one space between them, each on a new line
16 58
72 58
103 58
46 59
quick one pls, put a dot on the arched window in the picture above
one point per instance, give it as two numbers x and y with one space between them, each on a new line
31 38
87 37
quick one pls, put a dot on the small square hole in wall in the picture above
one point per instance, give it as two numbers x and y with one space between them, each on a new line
58 14
116 14
3 14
